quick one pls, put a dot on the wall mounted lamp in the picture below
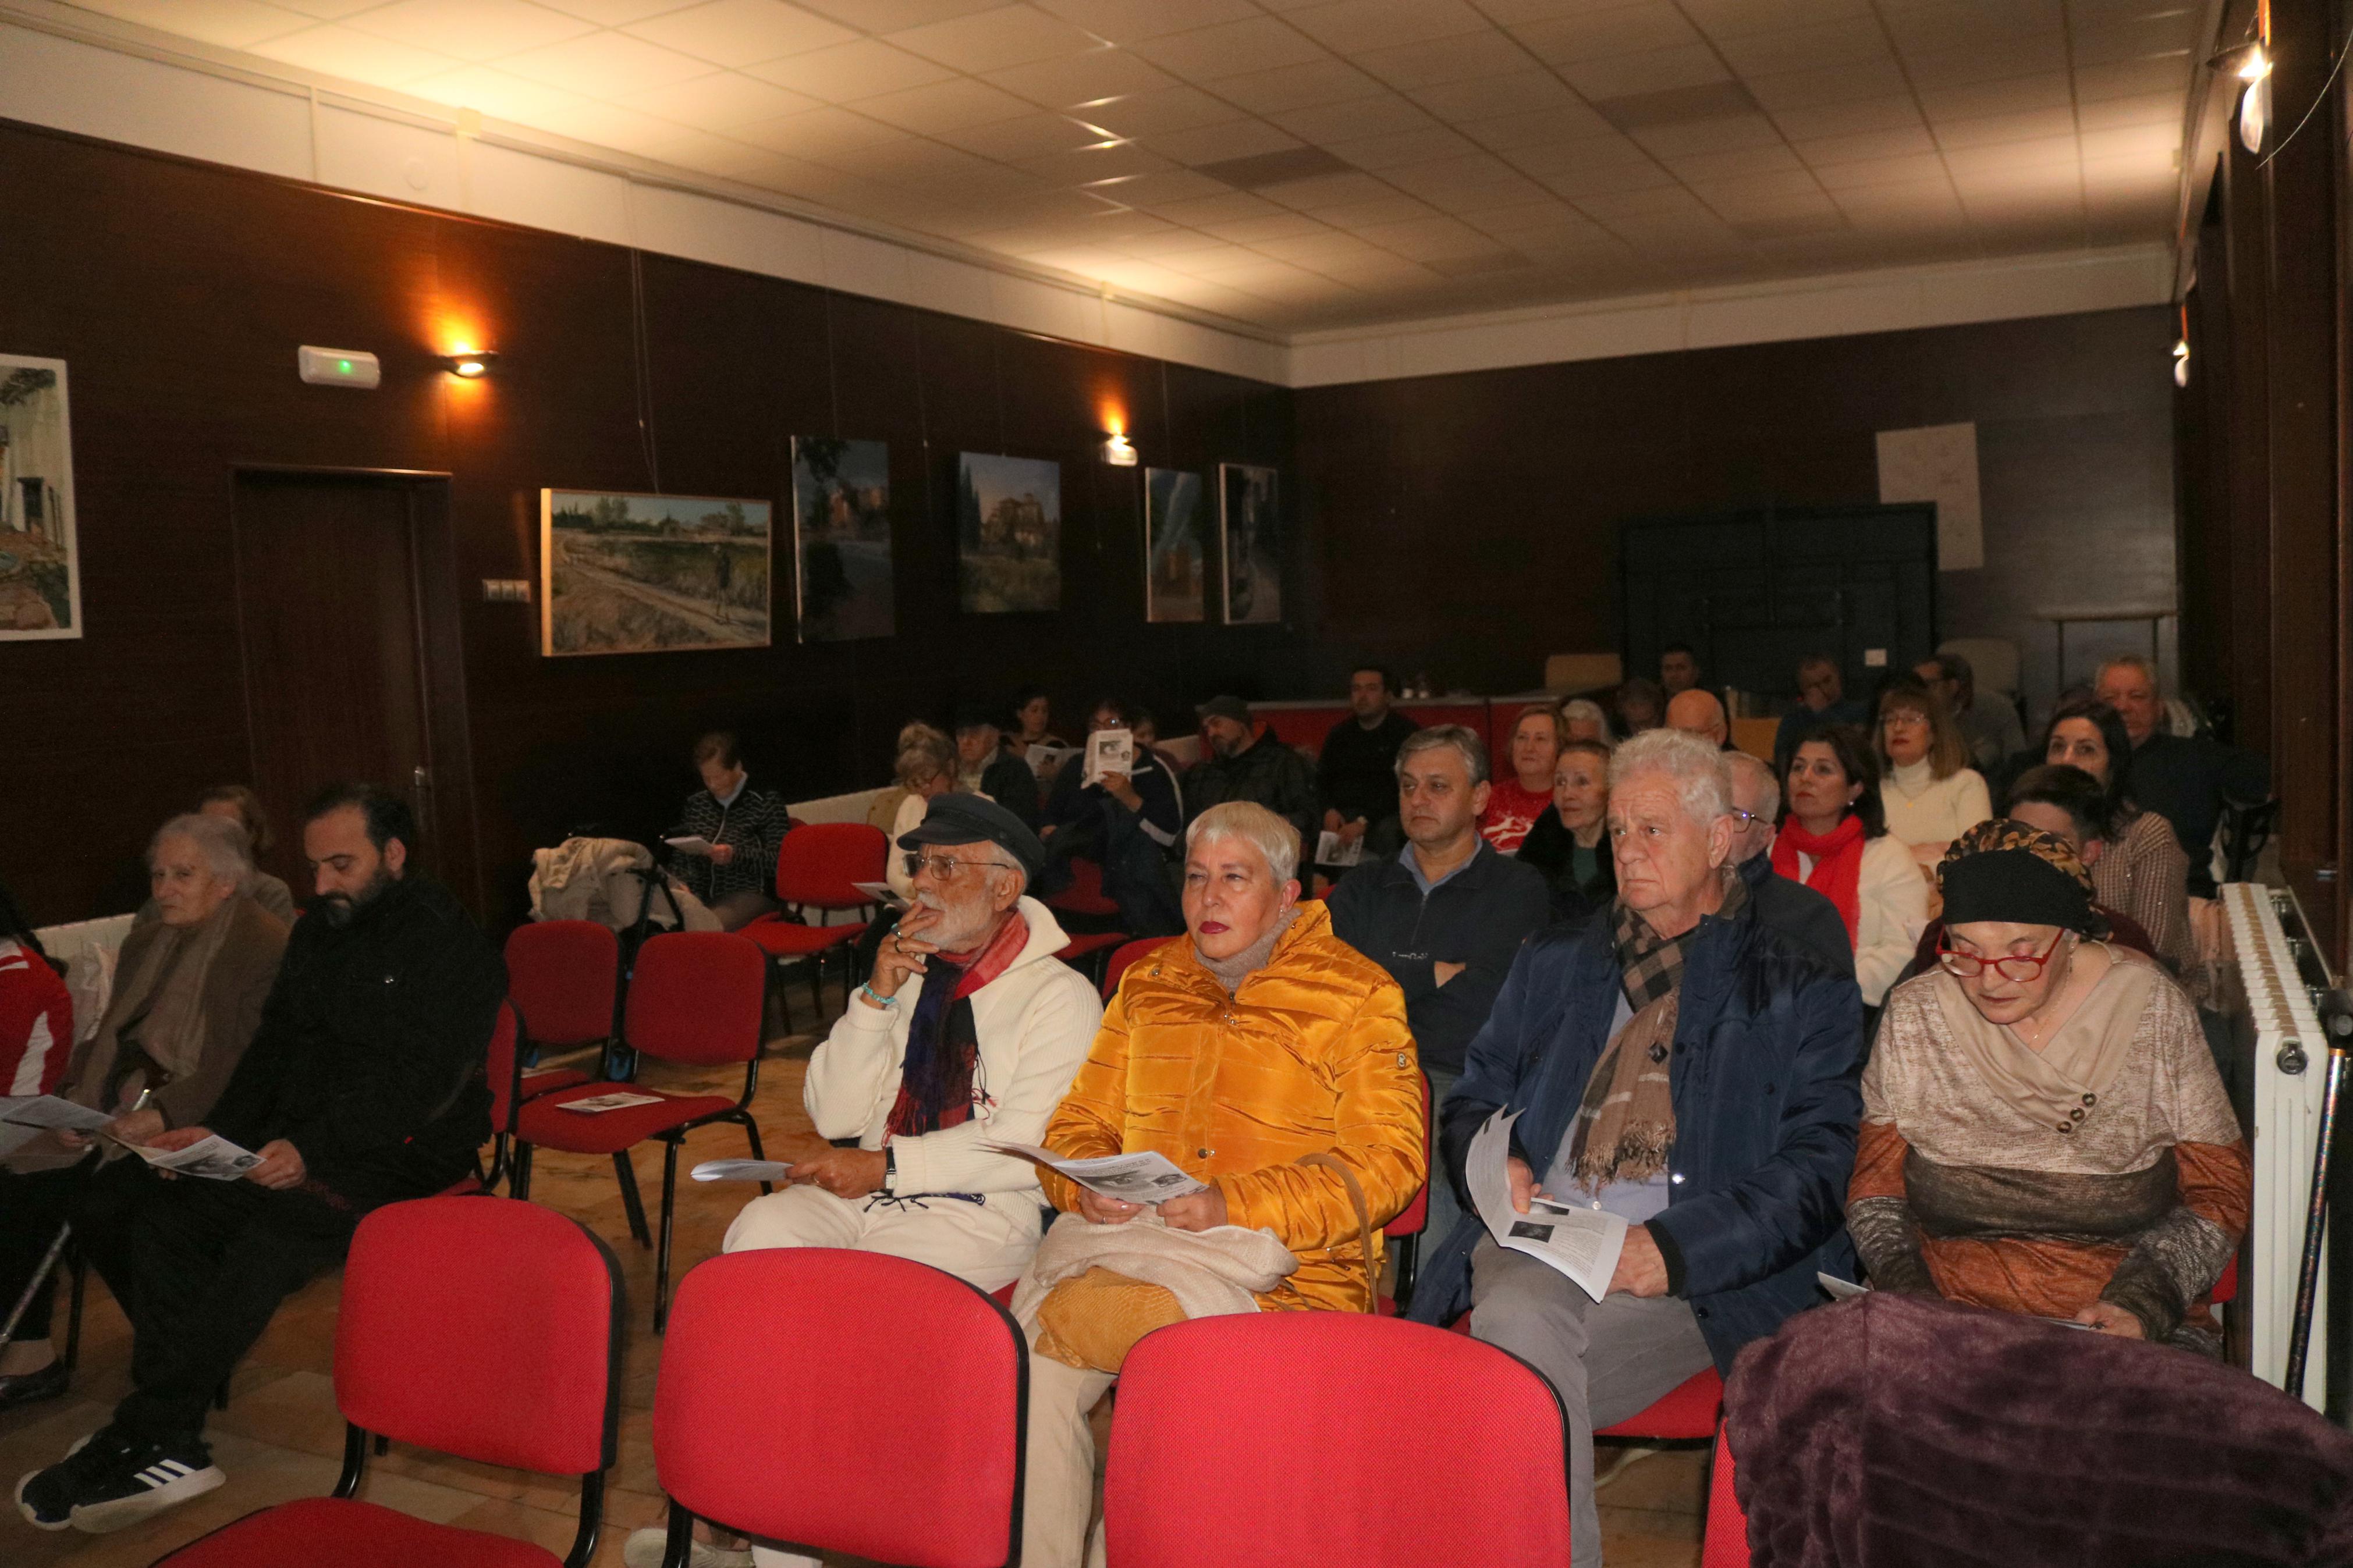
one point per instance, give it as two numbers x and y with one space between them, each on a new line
469 365
1119 451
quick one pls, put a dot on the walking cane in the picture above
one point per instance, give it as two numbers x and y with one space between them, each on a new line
40 1277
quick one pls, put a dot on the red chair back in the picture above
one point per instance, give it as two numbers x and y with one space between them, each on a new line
1724 1543
502 1068
696 996
777 1435
817 865
486 1328
1415 1217
1126 956
1264 1410
563 976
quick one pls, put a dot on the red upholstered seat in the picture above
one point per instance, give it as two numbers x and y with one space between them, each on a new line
480 1327
1084 896
1126 956
354 1535
545 1124
849 1453
1278 1417
818 867
1089 955
784 939
1690 1411
563 977
535 1084
695 998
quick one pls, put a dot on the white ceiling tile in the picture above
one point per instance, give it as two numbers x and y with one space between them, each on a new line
1570 122
1272 226
1740 18
1465 58
2016 96
1494 97
1086 165
1993 129
1825 44
1378 152
2147 142
1868 146
1308 86
1327 192
1693 138
1740 163
1205 210
1074 80
1125 21
1620 30
604 65
945 106
1660 70
1387 115
1355 27
848 72
2014 159
610 125
2035 54
893 15
360 56
720 101
1853 117
1610 149
1354 215
496 93
1656 201
820 135
1230 49
1578 184
232 24
1215 143
993 40
1026 136
1911 169
2133 78
1816 89
1160 111
740 32
604 12
2149 108
475 30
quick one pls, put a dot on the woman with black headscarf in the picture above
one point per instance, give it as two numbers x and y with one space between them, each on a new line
2043 1129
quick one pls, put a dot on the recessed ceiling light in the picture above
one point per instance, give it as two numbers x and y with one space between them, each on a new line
1099 102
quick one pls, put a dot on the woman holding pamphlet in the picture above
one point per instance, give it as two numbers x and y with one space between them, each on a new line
188 997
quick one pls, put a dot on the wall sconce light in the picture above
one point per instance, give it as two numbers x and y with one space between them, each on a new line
2255 71
2181 362
470 365
1119 451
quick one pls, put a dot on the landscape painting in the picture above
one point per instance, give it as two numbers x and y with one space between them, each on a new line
1252 546
1175 557
40 552
1009 533
841 539
637 573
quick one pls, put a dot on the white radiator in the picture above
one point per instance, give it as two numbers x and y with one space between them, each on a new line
2287 1121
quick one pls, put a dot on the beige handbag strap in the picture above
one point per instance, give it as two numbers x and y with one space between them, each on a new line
1364 1219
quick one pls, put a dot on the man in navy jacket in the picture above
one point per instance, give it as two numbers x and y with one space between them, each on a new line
1678 1064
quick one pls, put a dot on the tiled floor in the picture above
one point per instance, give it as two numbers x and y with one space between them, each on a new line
280 1436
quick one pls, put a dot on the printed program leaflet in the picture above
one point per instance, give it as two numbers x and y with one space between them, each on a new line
1582 1243
1147 1178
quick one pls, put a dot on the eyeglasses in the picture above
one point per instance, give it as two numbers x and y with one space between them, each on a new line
947 867
1743 817
2010 966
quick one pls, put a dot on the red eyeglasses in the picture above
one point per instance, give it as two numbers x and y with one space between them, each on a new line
2010 966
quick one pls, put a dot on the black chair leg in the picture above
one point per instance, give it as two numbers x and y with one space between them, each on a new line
661 1259
627 1174
816 984
784 996
79 1269
519 1177
1408 1257
383 1445
752 1130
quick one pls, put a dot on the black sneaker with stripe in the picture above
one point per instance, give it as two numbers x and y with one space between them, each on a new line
145 1478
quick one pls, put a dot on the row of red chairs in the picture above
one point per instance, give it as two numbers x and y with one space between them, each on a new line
772 1433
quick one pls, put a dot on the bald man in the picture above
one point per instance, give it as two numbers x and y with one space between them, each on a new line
1697 713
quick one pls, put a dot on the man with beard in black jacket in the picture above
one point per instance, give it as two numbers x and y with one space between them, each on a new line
1264 770
363 1086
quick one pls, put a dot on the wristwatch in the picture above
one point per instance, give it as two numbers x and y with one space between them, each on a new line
890 1173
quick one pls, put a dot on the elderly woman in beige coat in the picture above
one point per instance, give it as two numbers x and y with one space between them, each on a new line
189 992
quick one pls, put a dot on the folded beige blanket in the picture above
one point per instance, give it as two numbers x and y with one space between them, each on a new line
1211 1272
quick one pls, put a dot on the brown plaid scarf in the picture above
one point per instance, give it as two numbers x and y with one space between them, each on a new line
1626 1124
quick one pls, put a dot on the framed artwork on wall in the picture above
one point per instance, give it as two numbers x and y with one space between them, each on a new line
622 572
1249 544
1176 553
842 584
1009 533
40 548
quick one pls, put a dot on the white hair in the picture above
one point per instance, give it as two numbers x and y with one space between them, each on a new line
220 842
1587 710
1254 825
1696 769
1759 772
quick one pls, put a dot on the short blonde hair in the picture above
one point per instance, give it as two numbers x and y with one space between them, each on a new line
1253 824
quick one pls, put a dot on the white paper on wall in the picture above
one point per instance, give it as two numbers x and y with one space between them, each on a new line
1938 463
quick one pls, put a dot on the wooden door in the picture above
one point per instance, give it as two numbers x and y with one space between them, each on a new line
335 610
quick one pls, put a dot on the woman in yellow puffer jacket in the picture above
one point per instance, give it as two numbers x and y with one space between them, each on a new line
1255 1039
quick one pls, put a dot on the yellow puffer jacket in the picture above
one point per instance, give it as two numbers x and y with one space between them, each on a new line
1312 1055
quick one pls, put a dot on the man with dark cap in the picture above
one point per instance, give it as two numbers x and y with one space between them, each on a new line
966 1035
985 767
1262 769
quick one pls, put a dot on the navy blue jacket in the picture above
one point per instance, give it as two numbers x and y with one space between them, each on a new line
1766 1074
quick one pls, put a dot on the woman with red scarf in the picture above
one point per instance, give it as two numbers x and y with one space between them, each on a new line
1834 840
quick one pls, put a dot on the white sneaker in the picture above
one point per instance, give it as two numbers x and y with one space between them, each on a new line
644 1549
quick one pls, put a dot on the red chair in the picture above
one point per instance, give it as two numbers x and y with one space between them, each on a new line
778 1413
1414 1218
1090 954
1726 1544
1687 1413
1263 1410
1126 956
817 867
695 999
1084 897
480 1327
565 980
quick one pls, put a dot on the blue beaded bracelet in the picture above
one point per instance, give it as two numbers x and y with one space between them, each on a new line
866 989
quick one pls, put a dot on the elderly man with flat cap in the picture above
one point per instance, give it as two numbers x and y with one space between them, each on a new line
967 1034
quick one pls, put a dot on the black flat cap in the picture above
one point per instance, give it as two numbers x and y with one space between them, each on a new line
1232 707
959 818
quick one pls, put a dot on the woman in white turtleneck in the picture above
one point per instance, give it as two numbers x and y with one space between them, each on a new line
1931 793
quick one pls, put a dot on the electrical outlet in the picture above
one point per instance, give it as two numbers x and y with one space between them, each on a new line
506 590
